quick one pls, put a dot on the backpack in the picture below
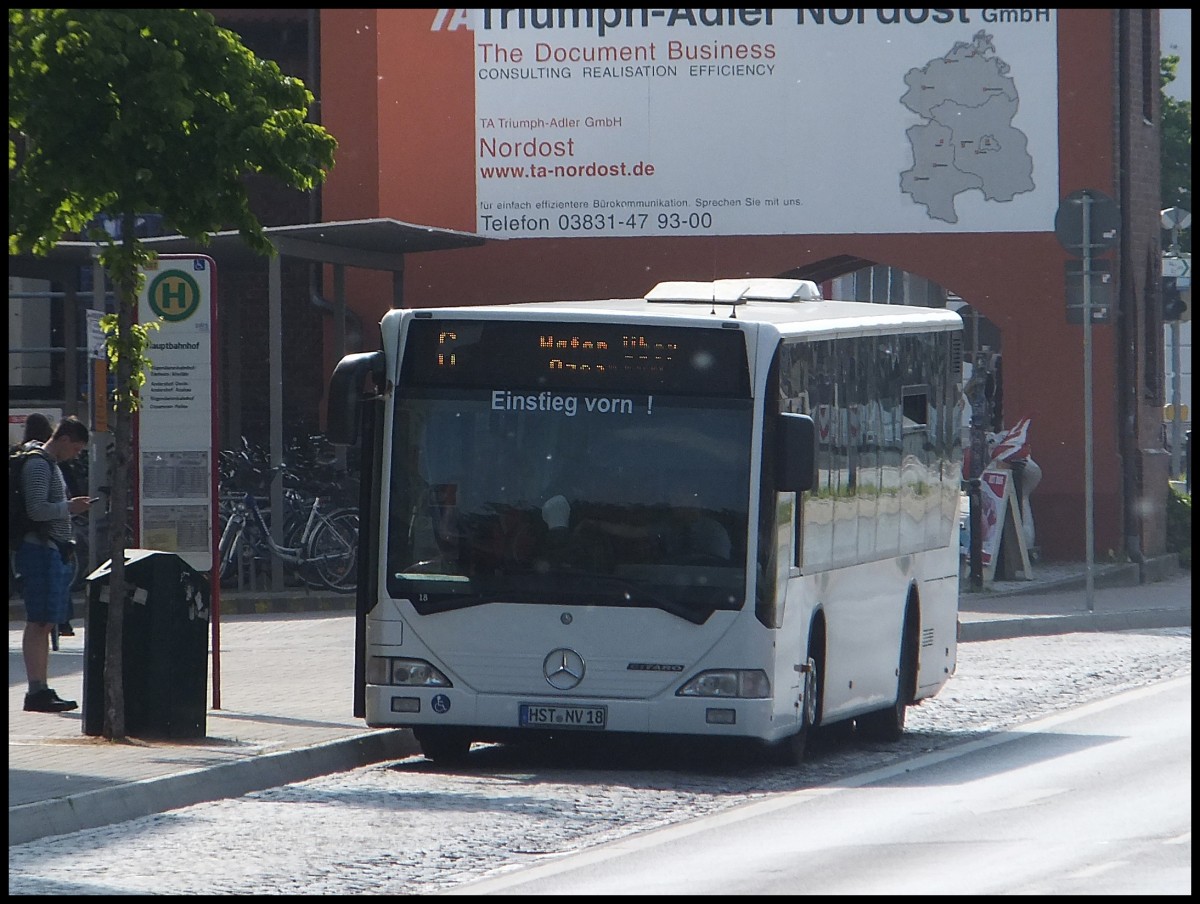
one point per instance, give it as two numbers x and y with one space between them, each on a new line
19 523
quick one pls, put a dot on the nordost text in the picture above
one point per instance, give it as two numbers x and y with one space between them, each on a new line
504 400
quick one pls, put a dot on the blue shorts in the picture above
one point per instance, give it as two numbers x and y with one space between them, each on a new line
46 583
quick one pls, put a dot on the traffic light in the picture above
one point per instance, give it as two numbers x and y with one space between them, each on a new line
1173 303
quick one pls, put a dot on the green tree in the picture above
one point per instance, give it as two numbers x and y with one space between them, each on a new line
126 112
1176 149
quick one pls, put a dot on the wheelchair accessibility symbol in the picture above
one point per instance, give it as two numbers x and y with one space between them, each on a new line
440 703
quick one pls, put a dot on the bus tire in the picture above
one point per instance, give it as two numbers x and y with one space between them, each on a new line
887 724
445 746
792 749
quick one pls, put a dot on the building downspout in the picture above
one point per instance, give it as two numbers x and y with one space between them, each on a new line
1127 322
313 83
352 322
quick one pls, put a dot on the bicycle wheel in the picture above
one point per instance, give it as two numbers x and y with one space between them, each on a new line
333 550
229 553
293 538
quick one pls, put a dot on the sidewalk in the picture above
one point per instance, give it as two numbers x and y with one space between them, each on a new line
1156 594
286 697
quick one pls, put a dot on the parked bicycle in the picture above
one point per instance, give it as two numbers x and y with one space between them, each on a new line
320 537
327 547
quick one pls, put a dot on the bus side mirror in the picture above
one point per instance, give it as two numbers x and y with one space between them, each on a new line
346 393
797 453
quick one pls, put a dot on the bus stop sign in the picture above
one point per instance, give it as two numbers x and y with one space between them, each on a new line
1104 221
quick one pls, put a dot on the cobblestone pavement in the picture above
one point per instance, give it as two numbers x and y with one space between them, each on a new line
409 827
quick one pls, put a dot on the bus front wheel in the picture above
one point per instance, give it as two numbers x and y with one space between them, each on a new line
888 724
792 749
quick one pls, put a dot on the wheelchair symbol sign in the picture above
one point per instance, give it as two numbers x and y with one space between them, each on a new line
174 296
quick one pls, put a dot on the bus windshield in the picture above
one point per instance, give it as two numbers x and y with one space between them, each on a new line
569 495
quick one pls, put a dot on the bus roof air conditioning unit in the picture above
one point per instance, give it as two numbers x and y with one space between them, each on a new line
735 291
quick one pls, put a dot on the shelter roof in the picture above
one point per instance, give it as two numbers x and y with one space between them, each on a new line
378 244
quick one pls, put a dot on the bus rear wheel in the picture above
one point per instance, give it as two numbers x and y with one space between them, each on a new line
445 746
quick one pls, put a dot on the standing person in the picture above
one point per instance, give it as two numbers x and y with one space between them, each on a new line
38 429
43 558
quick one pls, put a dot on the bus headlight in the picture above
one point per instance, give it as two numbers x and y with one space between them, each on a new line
746 683
404 672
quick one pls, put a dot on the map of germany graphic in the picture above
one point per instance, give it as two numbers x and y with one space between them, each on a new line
967 140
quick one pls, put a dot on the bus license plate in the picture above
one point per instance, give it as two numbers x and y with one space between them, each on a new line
538 715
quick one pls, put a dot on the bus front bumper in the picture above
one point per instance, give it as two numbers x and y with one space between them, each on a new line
498 715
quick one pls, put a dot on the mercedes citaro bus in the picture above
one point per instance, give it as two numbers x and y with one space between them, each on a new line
727 509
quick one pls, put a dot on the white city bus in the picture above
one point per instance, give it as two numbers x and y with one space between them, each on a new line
723 510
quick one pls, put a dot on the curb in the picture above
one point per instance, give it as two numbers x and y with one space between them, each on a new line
1044 625
293 603
1127 575
131 800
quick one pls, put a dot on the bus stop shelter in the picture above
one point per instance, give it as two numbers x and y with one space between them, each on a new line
372 244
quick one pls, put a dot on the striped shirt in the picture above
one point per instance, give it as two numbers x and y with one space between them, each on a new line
45 492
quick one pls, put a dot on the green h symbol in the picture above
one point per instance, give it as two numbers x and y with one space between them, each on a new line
173 295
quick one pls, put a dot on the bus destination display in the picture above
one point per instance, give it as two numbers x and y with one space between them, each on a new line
630 357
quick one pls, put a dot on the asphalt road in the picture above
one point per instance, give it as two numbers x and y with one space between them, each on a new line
1092 800
409 827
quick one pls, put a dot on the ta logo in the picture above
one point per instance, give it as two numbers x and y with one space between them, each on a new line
174 296
440 703
451 20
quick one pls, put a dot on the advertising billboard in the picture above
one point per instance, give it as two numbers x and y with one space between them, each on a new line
623 122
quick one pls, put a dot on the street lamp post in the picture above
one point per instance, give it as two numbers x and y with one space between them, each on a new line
1176 267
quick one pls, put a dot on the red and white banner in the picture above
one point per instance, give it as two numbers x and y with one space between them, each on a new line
1012 445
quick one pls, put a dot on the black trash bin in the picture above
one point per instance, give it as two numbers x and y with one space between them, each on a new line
165 648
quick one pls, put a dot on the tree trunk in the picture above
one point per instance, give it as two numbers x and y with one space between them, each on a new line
125 285
114 663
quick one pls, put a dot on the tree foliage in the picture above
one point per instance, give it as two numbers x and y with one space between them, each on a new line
133 111
1179 525
1176 148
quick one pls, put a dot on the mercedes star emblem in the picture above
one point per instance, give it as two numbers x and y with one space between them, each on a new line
563 668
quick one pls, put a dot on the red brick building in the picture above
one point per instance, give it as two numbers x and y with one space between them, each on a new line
398 87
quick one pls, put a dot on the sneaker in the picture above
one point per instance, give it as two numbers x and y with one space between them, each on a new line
65 630
47 701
